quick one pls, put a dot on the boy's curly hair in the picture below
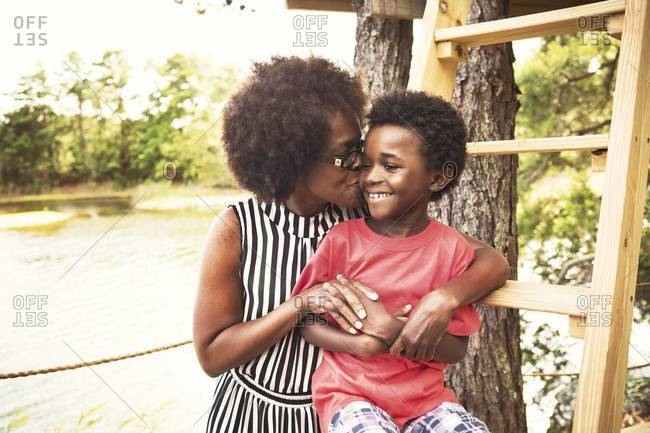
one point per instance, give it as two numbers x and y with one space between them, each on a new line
279 121
434 121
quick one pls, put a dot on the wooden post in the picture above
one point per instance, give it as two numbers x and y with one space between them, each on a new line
430 73
599 402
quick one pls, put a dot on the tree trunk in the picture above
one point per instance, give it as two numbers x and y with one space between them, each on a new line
489 381
483 205
382 56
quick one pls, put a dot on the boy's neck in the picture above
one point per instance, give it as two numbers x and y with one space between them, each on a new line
409 225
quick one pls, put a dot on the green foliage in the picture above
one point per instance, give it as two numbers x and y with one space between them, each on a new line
567 89
77 126
559 226
16 419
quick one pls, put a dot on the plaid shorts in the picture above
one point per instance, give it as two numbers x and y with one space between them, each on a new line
364 417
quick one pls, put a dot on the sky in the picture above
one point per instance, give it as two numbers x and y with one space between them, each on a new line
153 29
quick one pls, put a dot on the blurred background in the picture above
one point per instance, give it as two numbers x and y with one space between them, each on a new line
112 169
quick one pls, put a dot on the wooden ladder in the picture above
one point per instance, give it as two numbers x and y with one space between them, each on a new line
443 42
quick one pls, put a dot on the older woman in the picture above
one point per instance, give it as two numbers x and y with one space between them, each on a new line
292 137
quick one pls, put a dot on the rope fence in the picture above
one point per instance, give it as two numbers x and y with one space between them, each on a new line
65 367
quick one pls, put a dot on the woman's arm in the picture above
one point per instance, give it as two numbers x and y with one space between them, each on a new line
451 349
431 317
221 340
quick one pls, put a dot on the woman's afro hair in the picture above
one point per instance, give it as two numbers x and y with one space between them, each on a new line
434 121
279 120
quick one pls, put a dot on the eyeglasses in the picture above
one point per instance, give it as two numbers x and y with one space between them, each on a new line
347 159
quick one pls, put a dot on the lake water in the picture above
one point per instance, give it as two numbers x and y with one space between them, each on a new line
107 291
134 289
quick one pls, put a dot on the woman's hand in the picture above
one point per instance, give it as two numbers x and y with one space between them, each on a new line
379 322
424 328
340 302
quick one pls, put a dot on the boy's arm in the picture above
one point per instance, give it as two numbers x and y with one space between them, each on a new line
329 338
432 316
451 349
488 271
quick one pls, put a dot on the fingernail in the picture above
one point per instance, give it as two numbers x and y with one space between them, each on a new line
339 276
407 306
374 296
362 314
358 324
353 331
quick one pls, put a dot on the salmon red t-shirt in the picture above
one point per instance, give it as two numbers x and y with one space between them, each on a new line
401 271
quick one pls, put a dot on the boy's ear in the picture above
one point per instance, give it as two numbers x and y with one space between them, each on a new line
439 180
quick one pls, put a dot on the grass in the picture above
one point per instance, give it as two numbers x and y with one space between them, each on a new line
89 421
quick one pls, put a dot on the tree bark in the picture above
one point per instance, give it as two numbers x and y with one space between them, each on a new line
382 56
483 205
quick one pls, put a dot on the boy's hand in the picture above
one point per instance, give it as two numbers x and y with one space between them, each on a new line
379 322
370 346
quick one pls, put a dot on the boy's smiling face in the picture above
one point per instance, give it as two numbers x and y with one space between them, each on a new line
395 178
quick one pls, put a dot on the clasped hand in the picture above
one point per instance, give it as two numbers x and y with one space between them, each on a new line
358 309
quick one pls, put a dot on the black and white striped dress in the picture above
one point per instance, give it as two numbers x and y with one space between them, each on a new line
272 393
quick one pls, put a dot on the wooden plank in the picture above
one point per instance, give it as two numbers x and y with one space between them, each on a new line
543 24
398 9
598 161
321 5
639 428
527 7
395 9
414 9
527 145
615 26
429 73
599 403
450 51
550 298
577 325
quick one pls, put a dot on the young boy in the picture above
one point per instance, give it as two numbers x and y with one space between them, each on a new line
414 151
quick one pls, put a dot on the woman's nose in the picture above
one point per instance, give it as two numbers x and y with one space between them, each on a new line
356 164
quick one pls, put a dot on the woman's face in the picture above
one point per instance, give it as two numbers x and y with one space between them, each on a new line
332 184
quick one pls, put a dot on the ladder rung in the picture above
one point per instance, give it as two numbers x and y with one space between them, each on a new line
529 26
639 428
550 298
550 144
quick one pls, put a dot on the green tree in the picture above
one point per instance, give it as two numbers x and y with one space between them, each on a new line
567 89
28 137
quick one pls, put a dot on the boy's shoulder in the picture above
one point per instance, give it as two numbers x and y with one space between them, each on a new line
450 234
343 228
